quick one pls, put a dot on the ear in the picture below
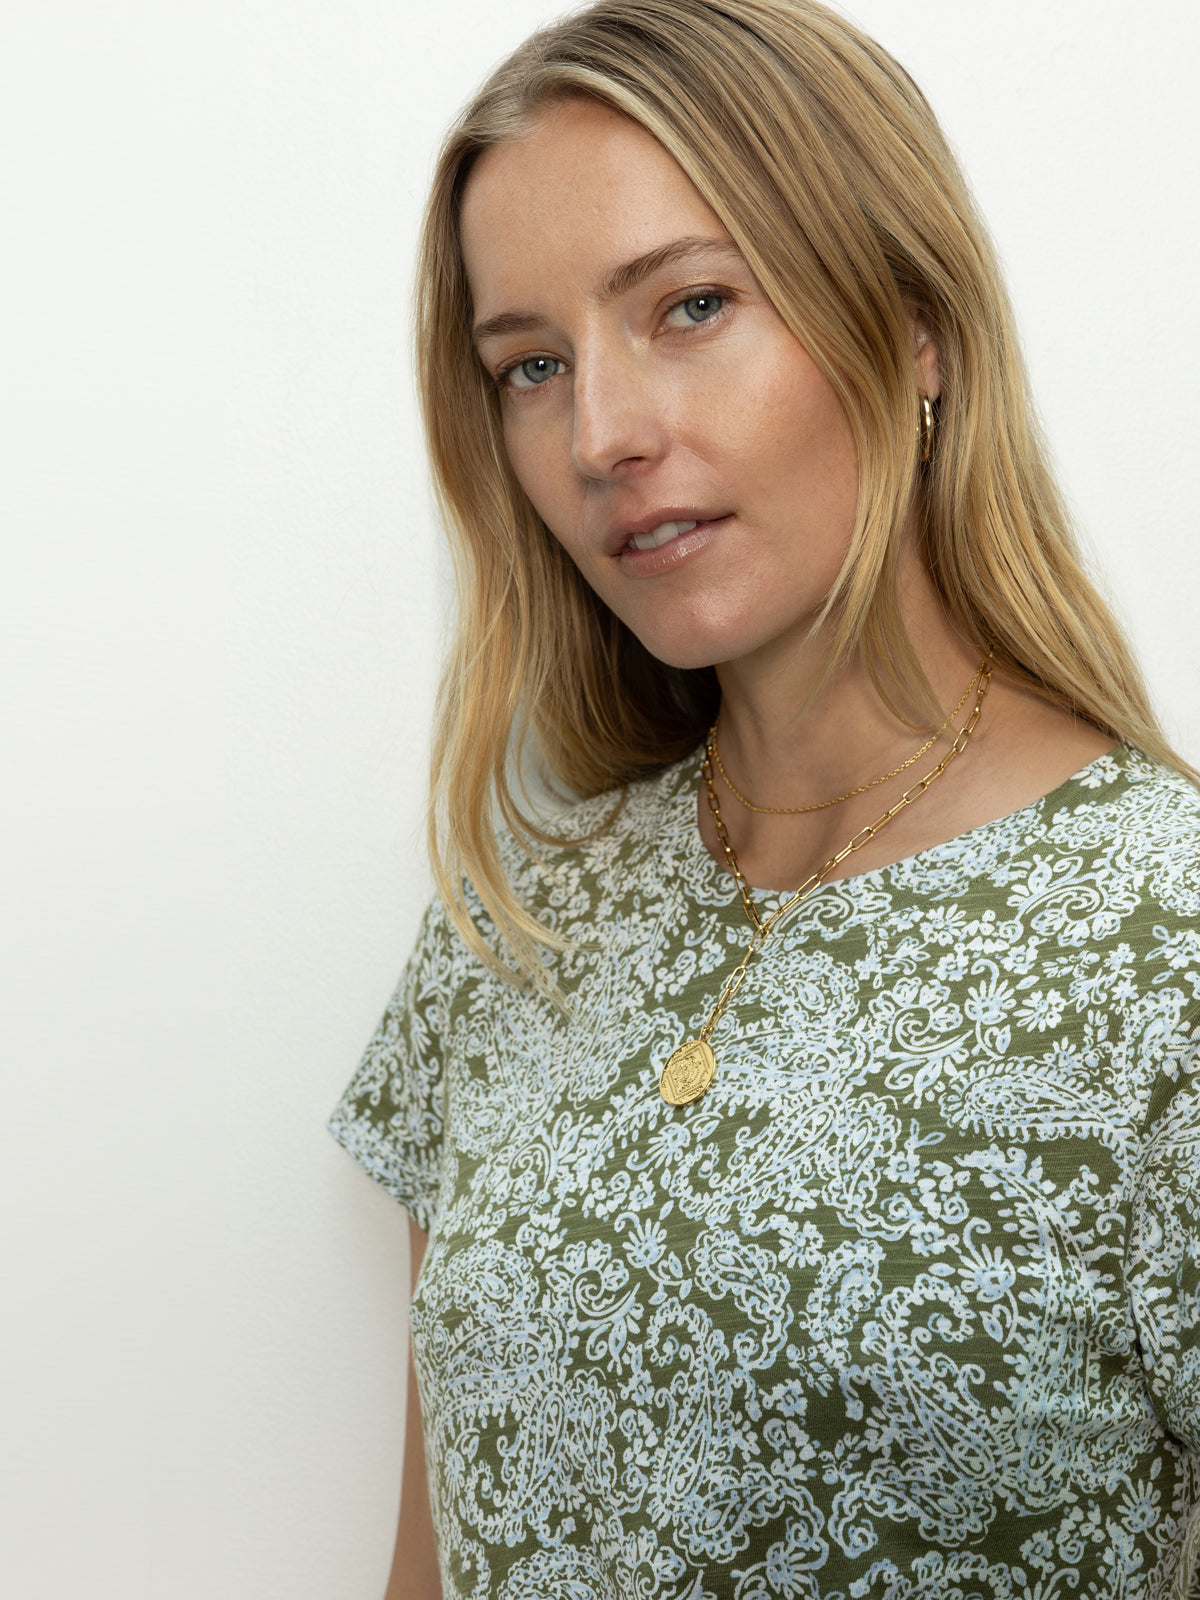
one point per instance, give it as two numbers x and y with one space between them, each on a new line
926 356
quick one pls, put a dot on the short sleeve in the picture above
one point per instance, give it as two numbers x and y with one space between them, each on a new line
390 1119
1163 1256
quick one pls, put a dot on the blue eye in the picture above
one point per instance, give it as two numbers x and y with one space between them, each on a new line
533 373
698 307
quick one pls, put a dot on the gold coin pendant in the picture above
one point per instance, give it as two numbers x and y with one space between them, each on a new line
689 1071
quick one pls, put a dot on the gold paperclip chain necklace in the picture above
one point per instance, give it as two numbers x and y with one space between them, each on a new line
710 754
692 1066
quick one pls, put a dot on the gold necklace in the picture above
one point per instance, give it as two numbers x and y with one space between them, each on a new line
692 1066
823 805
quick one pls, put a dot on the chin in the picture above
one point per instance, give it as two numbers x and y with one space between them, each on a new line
711 630
689 651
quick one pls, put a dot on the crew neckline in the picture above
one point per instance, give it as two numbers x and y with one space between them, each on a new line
684 830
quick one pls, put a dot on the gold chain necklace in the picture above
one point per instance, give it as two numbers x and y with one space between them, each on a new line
823 805
692 1066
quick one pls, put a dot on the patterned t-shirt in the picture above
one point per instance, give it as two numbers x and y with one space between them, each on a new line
906 1305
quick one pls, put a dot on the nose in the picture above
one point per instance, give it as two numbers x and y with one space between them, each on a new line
619 423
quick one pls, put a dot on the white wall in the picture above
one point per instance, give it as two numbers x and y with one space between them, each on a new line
218 640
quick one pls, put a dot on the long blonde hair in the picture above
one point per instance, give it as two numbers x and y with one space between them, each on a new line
826 165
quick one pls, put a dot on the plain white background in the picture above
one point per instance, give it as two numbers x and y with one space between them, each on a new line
218 643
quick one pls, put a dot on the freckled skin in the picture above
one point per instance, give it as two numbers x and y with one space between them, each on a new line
652 402
647 408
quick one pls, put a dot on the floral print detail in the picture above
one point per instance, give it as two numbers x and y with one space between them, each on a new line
905 1307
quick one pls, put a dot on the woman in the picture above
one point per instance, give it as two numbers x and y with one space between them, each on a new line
811 1241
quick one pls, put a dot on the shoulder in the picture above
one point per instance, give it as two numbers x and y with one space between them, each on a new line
630 810
1122 864
1140 819
594 855
606 838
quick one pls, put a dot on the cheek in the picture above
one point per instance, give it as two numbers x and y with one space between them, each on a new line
800 422
770 413
542 464
805 458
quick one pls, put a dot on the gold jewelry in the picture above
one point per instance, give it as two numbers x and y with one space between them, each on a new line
928 424
692 1066
823 805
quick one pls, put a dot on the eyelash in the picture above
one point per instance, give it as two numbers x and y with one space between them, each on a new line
709 291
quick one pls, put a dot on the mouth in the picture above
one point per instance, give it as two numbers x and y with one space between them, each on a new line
661 529
663 534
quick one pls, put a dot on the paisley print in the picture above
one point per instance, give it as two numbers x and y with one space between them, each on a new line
905 1307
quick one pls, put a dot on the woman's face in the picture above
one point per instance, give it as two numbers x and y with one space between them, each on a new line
672 433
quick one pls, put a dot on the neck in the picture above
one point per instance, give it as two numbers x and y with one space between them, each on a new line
790 739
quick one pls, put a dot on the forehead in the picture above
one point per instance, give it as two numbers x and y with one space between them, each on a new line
584 189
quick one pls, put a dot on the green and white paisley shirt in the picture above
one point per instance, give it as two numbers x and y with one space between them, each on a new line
906 1305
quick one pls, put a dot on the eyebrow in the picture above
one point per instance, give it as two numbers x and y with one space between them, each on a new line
619 281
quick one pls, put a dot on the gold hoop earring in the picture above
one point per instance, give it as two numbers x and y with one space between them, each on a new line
927 426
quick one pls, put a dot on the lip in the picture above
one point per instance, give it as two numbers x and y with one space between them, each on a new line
666 557
618 540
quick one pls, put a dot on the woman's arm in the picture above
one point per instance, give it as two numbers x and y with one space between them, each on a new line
414 1565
